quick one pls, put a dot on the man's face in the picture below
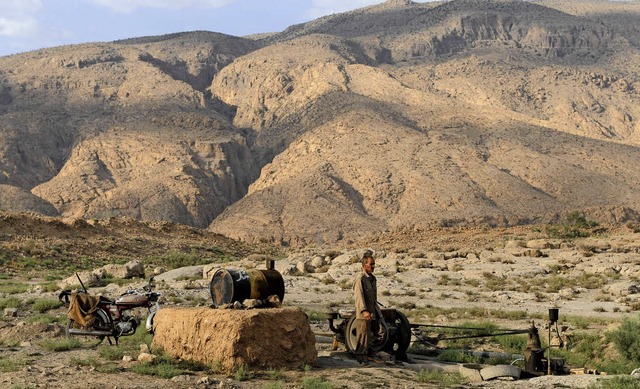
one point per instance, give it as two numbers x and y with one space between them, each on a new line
369 265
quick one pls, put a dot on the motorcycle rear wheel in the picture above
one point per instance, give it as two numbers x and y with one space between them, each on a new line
89 341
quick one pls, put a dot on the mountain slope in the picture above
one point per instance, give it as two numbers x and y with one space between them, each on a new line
124 128
399 115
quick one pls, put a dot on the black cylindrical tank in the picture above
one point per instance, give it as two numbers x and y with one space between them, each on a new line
228 286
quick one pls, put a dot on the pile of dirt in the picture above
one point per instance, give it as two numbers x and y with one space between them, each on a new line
227 339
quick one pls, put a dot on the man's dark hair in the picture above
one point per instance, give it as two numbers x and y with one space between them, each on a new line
367 254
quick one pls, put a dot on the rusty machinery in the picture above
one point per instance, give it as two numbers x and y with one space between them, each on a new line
228 286
398 332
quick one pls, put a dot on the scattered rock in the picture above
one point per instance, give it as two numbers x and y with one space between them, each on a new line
146 357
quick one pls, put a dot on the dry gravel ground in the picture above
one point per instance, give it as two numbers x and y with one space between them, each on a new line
511 275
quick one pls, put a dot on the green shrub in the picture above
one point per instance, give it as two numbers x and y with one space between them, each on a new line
162 369
43 318
456 356
166 367
627 339
45 304
111 353
275 374
575 226
513 343
13 287
10 302
243 373
316 383
63 344
12 364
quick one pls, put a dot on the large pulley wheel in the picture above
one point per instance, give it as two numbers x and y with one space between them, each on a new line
351 336
401 338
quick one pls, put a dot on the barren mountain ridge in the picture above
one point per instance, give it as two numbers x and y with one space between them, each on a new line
398 115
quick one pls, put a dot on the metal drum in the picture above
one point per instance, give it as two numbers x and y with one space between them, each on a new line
228 286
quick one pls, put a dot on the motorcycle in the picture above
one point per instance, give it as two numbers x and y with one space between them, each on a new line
101 317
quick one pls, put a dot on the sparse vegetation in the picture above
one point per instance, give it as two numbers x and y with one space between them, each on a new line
13 287
617 382
575 226
243 373
316 383
61 344
627 339
166 367
10 302
45 304
12 364
442 379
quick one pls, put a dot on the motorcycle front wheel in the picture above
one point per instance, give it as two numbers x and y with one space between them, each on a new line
83 335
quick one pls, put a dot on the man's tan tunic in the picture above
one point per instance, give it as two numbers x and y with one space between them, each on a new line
365 295
365 292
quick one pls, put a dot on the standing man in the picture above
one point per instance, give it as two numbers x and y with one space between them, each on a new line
368 315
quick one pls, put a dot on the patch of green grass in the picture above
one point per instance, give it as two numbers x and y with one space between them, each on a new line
316 383
12 364
48 287
456 356
9 342
162 369
45 304
166 367
315 315
617 382
62 344
275 374
627 339
243 373
111 353
10 302
11 287
440 378
471 313
44 318
512 343
575 226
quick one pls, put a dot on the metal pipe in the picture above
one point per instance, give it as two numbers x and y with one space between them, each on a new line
74 331
514 332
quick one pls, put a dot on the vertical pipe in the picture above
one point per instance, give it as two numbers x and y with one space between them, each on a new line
549 352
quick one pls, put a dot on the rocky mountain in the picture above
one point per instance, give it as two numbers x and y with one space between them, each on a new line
399 115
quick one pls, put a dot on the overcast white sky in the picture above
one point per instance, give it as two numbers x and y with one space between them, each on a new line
33 24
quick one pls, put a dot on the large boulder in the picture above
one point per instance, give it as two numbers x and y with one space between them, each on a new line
89 279
130 269
183 273
226 339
